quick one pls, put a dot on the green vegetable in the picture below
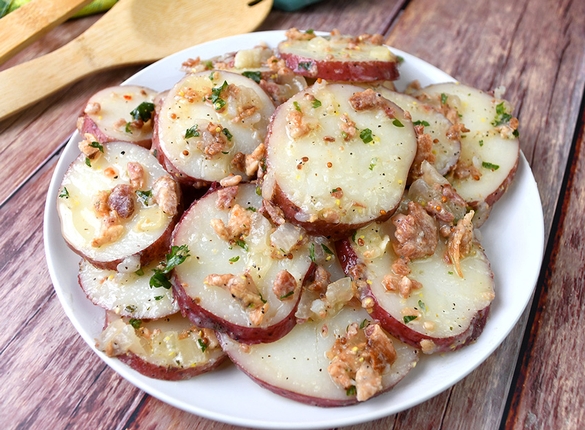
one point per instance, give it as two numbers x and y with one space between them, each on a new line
87 161
234 259
202 344
216 100
421 122
136 323
502 117
297 106
64 194
177 256
97 145
144 197
227 134
143 111
408 318
397 123
490 166
316 103
366 135
192 131
255 76
444 98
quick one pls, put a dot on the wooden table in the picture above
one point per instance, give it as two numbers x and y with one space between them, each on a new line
49 378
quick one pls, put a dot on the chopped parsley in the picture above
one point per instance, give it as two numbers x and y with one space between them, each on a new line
192 132
502 117
64 194
216 100
242 244
87 161
490 166
366 135
136 323
97 145
157 298
422 305
177 255
316 103
444 98
351 391
144 196
227 134
397 123
481 142
297 106
421 122
234 259
140 272
312 252
326 250
306 65
255 76
202 344
408 318
143 111
290 293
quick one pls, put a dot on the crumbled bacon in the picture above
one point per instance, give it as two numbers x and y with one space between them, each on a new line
359 359
296 125
460 242
230 180
252 161
92 108
464 170
416 233
274 212
455 130
165 193
321 279
110 231
347 127
369 99
100 203
403 285
424 151
374 39
239 224
239 162
88 147
296 34
136 174
226 197
213 140
121 200
284 285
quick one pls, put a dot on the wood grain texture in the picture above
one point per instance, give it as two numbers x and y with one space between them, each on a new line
549 391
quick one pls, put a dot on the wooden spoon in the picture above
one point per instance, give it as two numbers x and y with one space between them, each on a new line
33 20
131 32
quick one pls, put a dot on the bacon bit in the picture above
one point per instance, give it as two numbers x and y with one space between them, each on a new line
428 346
455 130
369 99
121 200
252 161
239 162
360 358
189 63
209 337
337 193
165 193
245 112
328 138
374 39
329 215
86 147
213 141
296 125
239 224
347 127
92 108
402 285
111 230
226 197
295 34
136 174
460 242
110 172
322 278
424 151
192 95
230 180
284 285
416 233
464 170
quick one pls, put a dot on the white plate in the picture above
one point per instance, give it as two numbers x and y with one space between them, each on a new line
513 238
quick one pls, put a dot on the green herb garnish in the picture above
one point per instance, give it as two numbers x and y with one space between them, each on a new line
297 106
312 252
366 135
64 194
306 65
97 145
290 293
242 244
255 76
490 166
136 323
87 161
408 318
202 344
444 98
351 391
143 111
216 100
192 132
144 197
316 103
234 259
397 123
177 255
502 117
421 122
227 134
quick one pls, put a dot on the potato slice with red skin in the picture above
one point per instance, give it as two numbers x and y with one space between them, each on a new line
490 149
146 233
337 158
170 348
127 293
239 262
296 365
206 122
107 115
339 57
444 312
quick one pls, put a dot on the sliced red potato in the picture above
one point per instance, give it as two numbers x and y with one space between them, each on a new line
244 275
119 113
337 158
438 139
339 57
489 144
430 286
212 125
118 203
171 348
259 64
338 361
126 291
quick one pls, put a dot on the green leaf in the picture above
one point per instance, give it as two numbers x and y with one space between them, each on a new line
242 244
422 305
502 117
227 134
144 196
255 76
143 111
64 194
297 106
290 293
136 323
305 65
202 344
444 98
326 249
177 256
490 166
216 100
316 103
192 132
421 122
397 123
366 135
87 161
234 259
97 145
351 391
312 252
408 318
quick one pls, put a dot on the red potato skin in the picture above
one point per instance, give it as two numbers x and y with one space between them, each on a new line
169 373
249 335
337 70
397 328
88 125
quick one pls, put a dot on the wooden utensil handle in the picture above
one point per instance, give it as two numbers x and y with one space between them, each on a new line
33 20
27 83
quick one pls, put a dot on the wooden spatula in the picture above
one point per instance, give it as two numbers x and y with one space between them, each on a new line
132 32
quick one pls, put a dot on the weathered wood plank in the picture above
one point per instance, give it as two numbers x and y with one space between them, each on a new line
549 390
